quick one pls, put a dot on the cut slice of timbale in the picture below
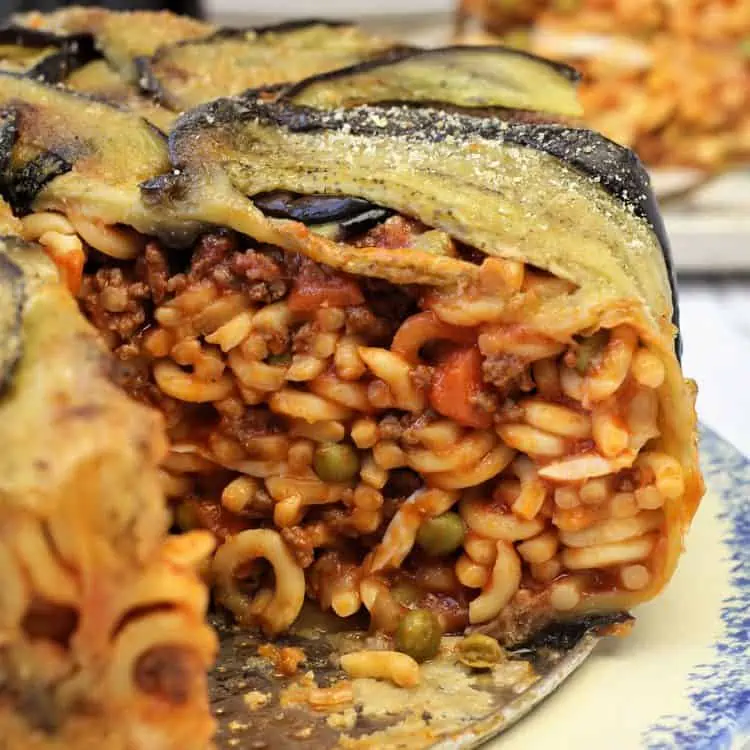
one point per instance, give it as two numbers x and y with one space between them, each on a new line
408 357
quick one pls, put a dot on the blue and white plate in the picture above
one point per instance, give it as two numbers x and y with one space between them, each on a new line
682 679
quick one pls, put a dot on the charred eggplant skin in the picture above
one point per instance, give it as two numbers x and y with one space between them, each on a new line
567 633
12 297
19 186
310 209
71 53
617 169
76 52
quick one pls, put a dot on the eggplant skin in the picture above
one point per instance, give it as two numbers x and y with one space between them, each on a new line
12 298
77 52
616 168
19 186
70 52
310 209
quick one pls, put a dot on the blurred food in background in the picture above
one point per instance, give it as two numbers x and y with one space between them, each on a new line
669 78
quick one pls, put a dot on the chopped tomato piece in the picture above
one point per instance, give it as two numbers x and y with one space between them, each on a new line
315 288
455 384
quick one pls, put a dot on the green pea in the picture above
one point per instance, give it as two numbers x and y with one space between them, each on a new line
745 46
418 634
588 348
479 651
441 535
406 593
279 360
335 462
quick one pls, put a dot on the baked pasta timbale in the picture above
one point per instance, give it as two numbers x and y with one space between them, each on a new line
375 340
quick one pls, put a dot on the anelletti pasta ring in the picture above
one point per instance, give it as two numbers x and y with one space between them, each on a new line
398 342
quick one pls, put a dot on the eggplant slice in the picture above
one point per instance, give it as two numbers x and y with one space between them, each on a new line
67 151
229 62
471 77
43 55
100 80
120 37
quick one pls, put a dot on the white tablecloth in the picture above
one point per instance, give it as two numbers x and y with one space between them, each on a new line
716 331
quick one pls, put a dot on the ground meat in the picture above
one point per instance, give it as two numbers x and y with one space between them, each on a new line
509 411
485 401
421 376
390 302
360 321
153 268
504 371
132 372
252 423
404 427
301 544
258 274
304 338
389 428
627 480
211 251
527 613
115 301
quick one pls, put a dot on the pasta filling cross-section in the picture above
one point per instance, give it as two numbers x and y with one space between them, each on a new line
385 447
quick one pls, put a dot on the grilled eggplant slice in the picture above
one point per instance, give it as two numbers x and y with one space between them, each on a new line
100 80
43 54
121 37
471 77
231 61
66 151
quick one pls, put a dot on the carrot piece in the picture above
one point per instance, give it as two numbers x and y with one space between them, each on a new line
455 384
